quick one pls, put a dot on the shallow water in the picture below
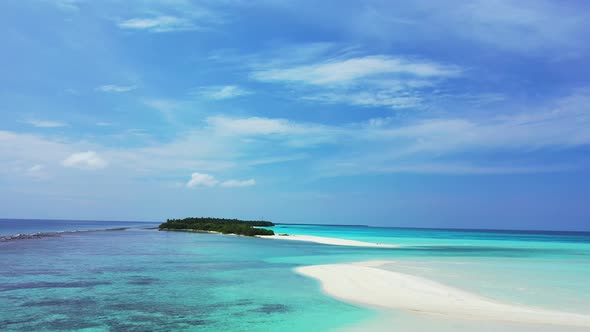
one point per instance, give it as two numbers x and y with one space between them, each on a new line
546 269
140 279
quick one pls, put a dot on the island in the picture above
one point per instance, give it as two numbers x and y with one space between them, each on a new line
218 225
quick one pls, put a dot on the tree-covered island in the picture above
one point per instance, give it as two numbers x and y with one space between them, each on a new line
225 226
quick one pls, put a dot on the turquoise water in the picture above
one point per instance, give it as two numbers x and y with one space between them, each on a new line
140 279
541 269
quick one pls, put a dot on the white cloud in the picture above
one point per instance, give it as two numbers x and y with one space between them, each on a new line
200 179
67 4
261 126
29 149
163 23
252 125
369 99
166 107
354 69
85 160
116 88
438 144
162 16
290 133
207 180
45 123
334 74
37 171
564 124
162 105
222 92
238 183
104 124
344 77
36 168
447 145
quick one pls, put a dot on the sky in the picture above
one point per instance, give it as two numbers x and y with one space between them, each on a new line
460 114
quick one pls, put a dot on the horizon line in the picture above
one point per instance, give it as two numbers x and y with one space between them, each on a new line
587 232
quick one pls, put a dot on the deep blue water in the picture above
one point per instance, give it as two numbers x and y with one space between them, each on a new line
29 226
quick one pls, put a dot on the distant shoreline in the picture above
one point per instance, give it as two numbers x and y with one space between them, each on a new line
198 231
457 229
328 240
220 225
304 238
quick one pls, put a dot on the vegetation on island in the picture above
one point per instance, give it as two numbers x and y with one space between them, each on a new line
225 226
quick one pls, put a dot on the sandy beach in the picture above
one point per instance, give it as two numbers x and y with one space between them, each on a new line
364 283
328 240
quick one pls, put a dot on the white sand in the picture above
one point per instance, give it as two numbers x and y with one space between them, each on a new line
328 240
365 284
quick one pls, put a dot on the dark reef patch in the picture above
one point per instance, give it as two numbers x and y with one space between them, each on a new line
115 269
272 308
154 323
67 324
53 302
141 280
243 302
31 285
8 322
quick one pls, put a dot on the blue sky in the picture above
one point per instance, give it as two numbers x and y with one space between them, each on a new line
471 114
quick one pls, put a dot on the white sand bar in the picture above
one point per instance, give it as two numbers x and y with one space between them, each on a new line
363 283
329 240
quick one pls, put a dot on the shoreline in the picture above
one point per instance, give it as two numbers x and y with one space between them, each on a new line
365 284
328 240
303 238
202 232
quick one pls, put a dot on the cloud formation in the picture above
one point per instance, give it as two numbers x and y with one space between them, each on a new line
353 69
163 23
201 180
222 92
85 160
439 145
69 5
37 171
331 75
207 180
254 126
116 88
238 183
45 123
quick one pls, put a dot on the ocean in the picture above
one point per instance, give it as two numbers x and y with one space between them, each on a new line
140 279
